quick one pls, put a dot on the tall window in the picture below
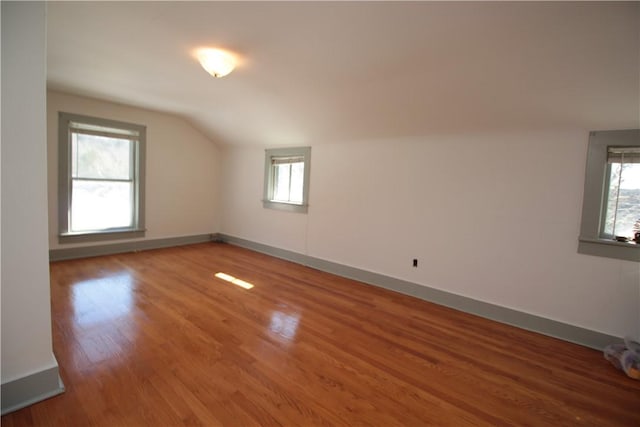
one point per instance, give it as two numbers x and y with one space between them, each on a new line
101 179
286 182
611 205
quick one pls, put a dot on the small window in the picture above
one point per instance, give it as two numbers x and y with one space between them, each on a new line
286 182
611 207
101 179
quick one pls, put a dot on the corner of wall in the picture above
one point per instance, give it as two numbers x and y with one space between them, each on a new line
30 389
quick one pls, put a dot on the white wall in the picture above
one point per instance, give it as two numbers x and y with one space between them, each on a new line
182 168
494 217
26 311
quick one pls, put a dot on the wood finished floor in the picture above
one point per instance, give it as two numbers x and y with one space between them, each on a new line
153 338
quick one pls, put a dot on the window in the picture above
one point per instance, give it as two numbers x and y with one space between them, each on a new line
611 206
286 181
622 193
101 179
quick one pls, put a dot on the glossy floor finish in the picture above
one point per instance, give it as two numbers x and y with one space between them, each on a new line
154 338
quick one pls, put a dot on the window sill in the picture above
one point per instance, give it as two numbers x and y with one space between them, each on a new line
283 206
97 236
629 251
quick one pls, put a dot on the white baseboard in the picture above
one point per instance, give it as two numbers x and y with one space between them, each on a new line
124 247
31 389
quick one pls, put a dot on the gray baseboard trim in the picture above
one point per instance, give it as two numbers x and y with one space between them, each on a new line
131 246
31 389
563 331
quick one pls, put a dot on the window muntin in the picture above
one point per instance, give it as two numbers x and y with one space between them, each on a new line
621 207
287 179
101 179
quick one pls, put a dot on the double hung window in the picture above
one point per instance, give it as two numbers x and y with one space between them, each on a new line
287 179
101 180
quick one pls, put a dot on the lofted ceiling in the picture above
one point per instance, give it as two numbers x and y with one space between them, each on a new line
317 72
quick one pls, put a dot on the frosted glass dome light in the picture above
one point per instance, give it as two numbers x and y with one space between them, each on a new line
216 62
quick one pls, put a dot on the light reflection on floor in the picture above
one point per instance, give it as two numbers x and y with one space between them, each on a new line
102 311
284 325
102 300
238 282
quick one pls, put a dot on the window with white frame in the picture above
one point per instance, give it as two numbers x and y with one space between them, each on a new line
101 178
611 206
286 181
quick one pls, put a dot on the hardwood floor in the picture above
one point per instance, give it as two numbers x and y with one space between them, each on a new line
153 338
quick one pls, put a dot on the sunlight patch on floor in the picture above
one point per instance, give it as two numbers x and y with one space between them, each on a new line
229 278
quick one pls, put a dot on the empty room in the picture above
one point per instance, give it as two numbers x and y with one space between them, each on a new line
320 213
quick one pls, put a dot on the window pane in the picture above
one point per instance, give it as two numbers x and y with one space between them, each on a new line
100 157
623 199
281 182
288 182
101 205
297 181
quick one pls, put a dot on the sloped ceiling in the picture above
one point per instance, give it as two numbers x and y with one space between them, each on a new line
316 72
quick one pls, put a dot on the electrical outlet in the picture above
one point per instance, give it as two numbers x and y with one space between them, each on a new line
415 262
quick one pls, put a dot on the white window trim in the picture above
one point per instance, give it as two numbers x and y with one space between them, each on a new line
305 153
64 181
590 241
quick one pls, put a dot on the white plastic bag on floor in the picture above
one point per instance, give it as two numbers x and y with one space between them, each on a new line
625 357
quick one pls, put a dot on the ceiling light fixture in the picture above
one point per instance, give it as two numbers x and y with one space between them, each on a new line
216 62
